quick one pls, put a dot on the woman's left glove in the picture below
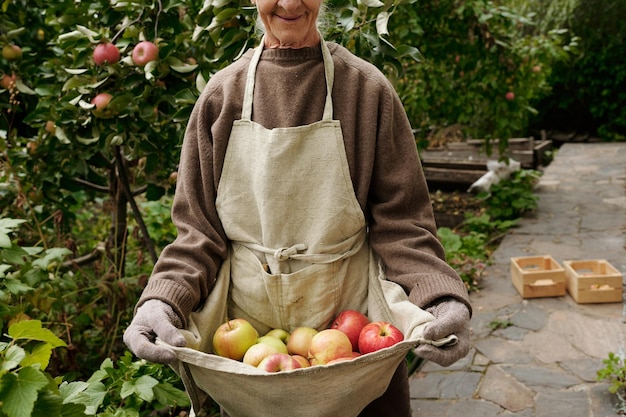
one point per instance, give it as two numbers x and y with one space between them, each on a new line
451 317
153 319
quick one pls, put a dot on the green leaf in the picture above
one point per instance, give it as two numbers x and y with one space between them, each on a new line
14 255
373 3
13 357
70 391
141 386
93 397
40 356
20 391
47 405
166 393
32 330
15 286
51 255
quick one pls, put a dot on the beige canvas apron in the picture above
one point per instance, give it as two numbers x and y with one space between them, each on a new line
287 204
299 255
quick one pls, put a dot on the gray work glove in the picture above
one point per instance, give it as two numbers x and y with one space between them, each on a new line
154 319
451 317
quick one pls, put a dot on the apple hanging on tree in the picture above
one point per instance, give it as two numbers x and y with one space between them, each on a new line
101 102
11 52
8 81
106 53
144 52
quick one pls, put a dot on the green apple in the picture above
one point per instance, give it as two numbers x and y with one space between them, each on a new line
272 341
11 52
233 338
279 334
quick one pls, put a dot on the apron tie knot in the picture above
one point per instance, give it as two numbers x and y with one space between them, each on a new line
283 254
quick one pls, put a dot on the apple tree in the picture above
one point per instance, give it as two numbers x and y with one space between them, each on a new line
484 68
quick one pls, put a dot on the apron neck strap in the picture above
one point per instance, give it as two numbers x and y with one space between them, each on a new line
329 71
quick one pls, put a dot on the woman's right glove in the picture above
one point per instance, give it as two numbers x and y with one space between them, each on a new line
154 319
451 317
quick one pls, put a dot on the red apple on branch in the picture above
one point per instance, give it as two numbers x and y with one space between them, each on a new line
233 338
144 52
101 102
351 322
378 335
106 53
8 81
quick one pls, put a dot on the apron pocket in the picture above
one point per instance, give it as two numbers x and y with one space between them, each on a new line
308 297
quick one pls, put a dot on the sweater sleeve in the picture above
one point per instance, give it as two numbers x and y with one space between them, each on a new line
402 225
186 269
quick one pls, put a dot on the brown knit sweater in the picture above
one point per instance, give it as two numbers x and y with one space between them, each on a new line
384 166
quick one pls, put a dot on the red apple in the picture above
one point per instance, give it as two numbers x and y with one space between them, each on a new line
8 81
101 101
510 96
233 338
378 335
11 52
144 52
277 362
299 340
106 53
256 353
351 322
327 345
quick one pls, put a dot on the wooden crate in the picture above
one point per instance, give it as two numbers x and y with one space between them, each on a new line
463 163
593 281
538 276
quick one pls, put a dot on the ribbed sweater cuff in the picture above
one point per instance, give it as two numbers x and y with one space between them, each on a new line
432 287
172 293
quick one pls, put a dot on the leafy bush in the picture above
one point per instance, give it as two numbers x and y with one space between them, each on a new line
510 198
589 91
26 389
469 246
482 70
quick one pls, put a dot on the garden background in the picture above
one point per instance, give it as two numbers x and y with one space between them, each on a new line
85 192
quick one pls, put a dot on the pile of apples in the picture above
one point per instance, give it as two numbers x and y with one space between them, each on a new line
349 335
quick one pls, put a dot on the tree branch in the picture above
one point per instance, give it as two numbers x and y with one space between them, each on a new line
121 171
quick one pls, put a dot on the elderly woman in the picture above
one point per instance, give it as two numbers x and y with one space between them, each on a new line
297 165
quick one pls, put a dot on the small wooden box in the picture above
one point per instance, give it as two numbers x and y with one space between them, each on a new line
593 281
538 276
